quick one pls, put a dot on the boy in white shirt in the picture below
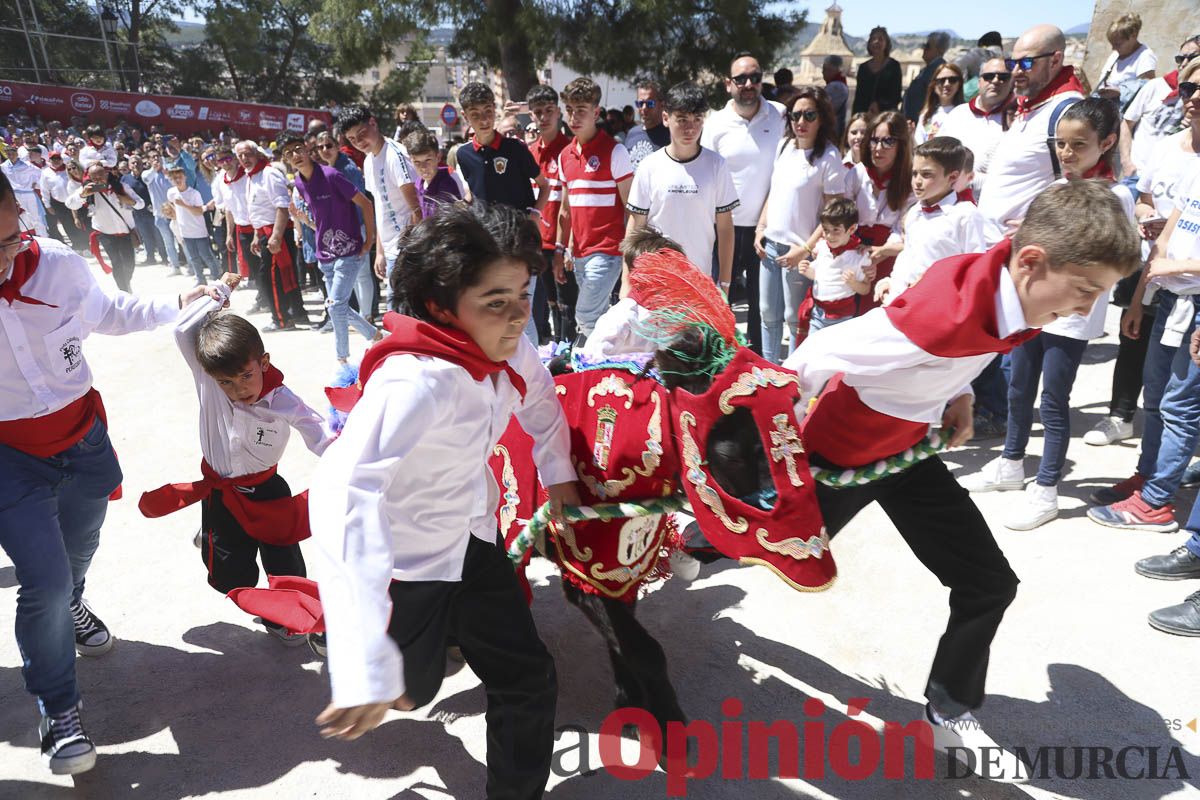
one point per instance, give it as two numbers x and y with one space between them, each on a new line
247 509
940 224
683 188
189 215
837 269
403 504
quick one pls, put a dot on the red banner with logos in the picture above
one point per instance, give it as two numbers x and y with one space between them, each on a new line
179 115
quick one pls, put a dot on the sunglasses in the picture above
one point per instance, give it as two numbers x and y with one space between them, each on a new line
1187 89
807 116
752 77
646 103
1026 62
949 80
1182 59
886 142
995 77
326 146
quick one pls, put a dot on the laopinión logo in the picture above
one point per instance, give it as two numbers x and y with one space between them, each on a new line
853 749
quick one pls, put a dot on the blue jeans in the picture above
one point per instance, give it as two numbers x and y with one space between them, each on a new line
200 254
1193 527
780 293
531 331
819 321
1055 360
1176 412
596 275
168 239
51 510
991 388
149 236
364 289
340 276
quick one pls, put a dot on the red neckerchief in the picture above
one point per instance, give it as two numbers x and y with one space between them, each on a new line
24 265
272 380
58 169
931 209
1064 81
494 143
951 311
967 195
237 175
839 78
1102 169
412 336
241 173
853 243
881 181
979 112
1172 79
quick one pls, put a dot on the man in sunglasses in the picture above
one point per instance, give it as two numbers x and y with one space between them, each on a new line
1024 162
980 123
933 54
746 133
652 134
1154 113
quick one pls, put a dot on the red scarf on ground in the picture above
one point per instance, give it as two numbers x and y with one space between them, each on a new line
1172 79
24 265
1064 81
951 311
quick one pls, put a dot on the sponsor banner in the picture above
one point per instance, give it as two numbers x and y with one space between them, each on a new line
180 115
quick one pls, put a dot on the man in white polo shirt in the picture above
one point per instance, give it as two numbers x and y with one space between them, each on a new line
1021 166
746 133
980 123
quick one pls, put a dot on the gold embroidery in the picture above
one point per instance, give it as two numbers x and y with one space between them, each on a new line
651 457
508 479
560 389
750 382
693 472
566 533
626 574
785 446
611 384
797 547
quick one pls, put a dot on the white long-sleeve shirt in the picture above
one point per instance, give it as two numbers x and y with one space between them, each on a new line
55 184
43 367
403 489
106 155
929 236
266 191
109 214
239 438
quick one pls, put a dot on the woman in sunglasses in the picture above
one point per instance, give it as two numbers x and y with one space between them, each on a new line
944 94
878 78
808 171
881 185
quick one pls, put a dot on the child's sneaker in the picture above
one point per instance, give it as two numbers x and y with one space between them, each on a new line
998 475
281 633
1135 514
66 749
1118 491
1107 431
92 637
684 566
965 738
1039 506
316 643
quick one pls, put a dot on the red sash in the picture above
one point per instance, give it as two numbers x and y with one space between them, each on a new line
94 246
281 262
53 433
874 236
283 521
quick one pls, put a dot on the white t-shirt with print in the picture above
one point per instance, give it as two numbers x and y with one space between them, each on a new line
1185 237
1139 62
799 182
931 126
385 174
1154 120
191 226
682 198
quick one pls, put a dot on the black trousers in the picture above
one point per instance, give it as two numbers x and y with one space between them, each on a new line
1127 371
560 299
120 258
285 306
946 532
745 265
258 273
61 225
230 554
487 615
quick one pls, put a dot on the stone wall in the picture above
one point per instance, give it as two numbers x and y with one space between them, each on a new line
1165 23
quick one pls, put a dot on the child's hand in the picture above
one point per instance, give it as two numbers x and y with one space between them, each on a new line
882 290
805 268
849 275
231 279
350 723
562 494
959 418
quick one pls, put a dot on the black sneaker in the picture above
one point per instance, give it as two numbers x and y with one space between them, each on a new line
281 633
66 749
92 637
1178 565
988 427
1181 620
316 643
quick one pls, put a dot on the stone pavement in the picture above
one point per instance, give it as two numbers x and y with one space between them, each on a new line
196 701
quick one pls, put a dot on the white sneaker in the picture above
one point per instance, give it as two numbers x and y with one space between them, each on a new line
684 566
1038 506
1107 431
998 475
965 739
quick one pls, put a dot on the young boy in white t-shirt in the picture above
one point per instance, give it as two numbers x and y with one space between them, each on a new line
683 189
837 269
189 216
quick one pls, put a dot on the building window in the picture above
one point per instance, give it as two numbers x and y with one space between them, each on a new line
374 74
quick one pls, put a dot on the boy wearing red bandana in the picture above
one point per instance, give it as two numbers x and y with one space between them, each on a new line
837 270
248 512
403 504
58 465
884 378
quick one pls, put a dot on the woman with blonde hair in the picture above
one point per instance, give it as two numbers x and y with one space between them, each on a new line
1130 63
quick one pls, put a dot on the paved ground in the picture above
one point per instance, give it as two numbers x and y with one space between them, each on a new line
195 701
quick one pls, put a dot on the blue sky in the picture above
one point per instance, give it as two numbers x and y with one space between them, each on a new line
968 18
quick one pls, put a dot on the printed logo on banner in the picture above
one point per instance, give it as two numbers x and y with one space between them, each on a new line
115 106
83 102
147 108
203 113
44 100
244 115
295 122
269 122
5 90
181 111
